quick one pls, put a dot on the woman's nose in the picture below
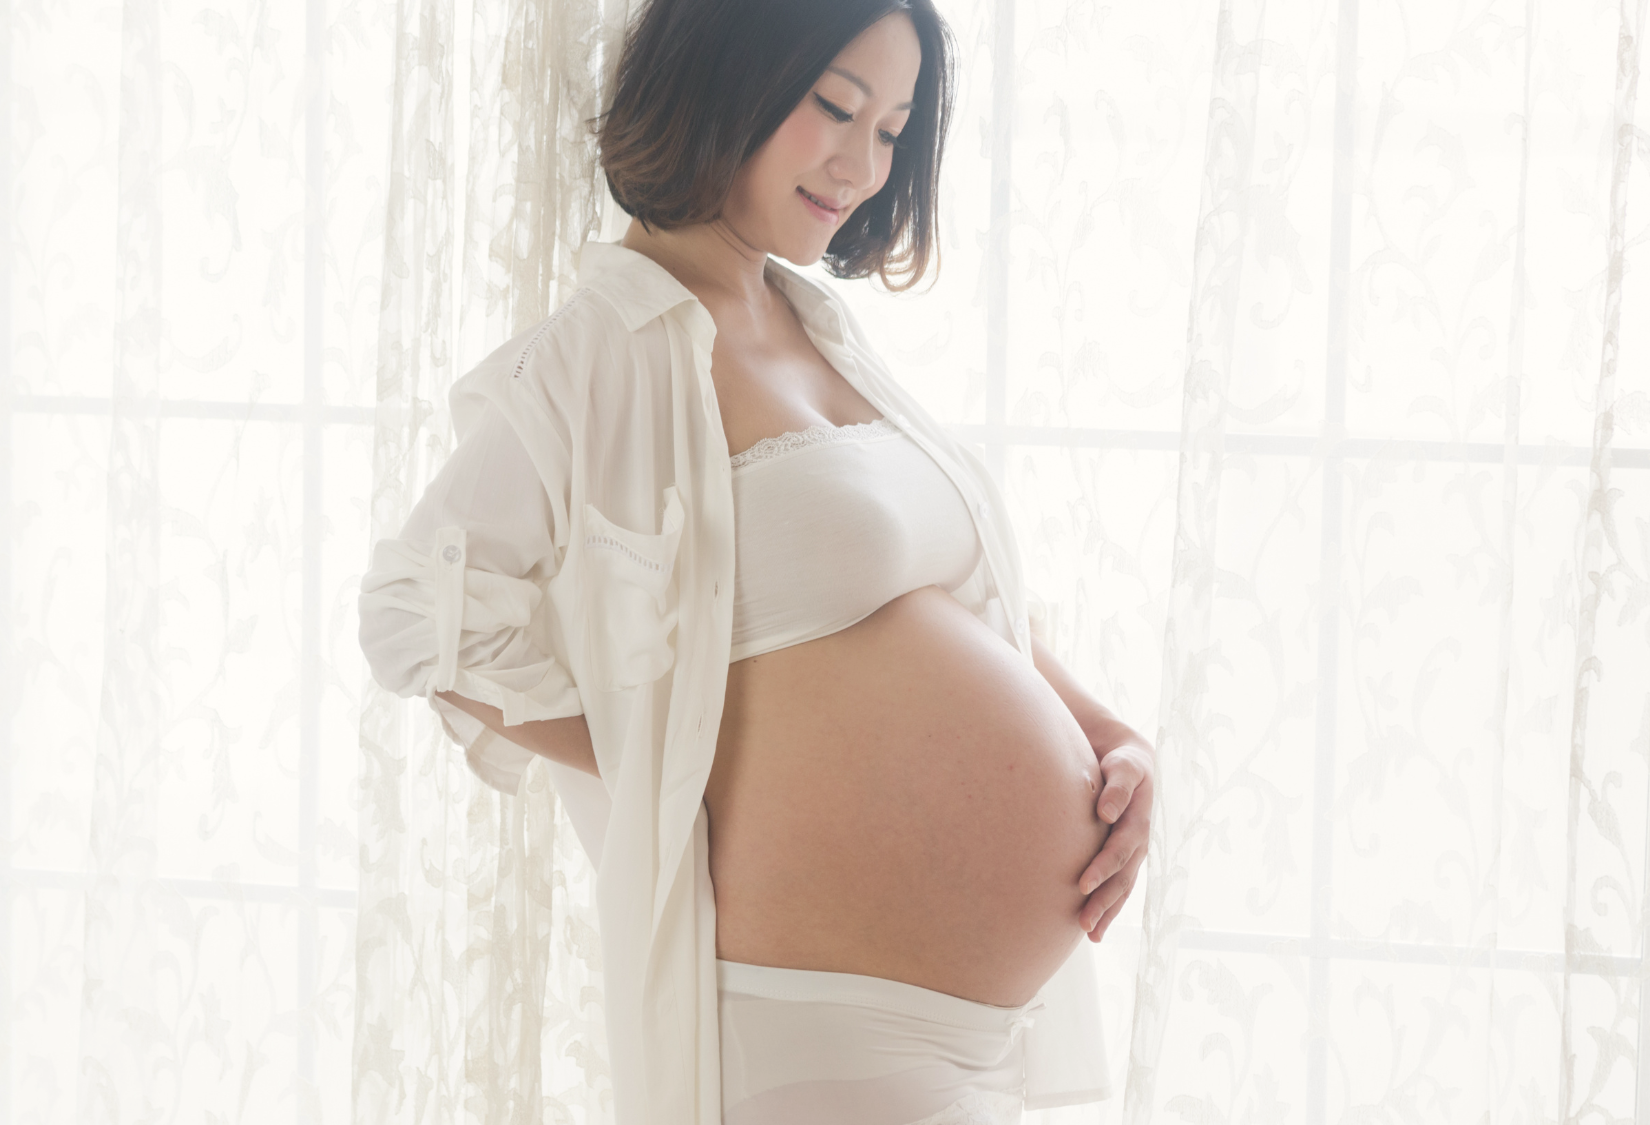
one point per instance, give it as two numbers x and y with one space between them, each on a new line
856 164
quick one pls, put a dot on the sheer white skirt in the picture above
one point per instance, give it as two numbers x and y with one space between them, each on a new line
801 1047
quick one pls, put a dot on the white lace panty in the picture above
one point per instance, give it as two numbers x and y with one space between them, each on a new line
801 1047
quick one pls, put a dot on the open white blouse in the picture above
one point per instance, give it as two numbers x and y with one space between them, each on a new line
575 554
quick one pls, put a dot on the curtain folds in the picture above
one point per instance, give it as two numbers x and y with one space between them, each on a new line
1381 195
477 967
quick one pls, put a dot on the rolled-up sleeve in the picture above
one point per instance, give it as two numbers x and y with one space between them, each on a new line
457 601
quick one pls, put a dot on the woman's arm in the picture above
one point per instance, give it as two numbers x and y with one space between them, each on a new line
1125 801
455 610
1097 722
561 740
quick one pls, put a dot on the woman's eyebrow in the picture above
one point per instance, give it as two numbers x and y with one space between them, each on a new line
860 82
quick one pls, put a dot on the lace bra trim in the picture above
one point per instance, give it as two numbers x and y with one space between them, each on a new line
821 433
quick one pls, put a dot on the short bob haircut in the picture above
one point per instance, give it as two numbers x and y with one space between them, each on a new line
703 84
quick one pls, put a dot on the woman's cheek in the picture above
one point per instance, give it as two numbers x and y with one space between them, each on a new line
801 136
882 177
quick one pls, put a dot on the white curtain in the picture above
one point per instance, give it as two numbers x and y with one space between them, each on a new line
477 953
1311 343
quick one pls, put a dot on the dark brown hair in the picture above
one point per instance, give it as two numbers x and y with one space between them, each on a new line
703 84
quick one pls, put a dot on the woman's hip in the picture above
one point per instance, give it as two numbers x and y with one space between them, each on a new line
805 1047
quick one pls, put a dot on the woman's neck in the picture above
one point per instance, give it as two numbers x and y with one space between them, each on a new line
719 268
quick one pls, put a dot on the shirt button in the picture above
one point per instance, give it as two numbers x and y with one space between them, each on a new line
451 553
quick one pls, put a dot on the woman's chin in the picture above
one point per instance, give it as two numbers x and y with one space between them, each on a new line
803 246
801 252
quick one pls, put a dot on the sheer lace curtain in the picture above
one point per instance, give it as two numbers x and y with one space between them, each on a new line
1311 342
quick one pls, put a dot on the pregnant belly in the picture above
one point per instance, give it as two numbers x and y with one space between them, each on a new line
906 798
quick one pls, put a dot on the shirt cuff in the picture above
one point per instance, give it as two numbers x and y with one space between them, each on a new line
492 757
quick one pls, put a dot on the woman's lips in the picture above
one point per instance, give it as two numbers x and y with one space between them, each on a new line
822 212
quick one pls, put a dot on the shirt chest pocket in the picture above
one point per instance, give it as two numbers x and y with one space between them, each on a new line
631 602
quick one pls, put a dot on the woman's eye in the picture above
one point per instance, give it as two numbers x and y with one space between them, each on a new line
834 111
888 139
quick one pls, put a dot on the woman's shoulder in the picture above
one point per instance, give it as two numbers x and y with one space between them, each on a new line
582 320
557 350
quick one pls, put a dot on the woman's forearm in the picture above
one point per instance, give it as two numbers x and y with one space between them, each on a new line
561 740
1097 721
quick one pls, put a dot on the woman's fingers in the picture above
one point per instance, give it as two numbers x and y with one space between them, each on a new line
1125 802
1106 919
1109 898
1108 863
1109 893
1123 769
1114 798
1123 840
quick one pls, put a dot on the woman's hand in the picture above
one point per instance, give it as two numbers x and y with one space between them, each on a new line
1125 803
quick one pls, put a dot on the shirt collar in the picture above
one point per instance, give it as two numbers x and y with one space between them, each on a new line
640 287
814 303
643 289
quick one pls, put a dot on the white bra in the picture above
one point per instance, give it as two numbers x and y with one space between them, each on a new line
833 522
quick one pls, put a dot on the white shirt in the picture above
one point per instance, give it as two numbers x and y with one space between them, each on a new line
576 555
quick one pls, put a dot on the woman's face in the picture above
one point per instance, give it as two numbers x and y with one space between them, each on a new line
835 146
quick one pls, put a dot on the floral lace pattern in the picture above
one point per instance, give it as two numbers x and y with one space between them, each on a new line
980 1109
821 433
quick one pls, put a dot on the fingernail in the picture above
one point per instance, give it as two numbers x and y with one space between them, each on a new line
1109 812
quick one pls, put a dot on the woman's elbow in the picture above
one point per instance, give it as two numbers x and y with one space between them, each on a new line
565 740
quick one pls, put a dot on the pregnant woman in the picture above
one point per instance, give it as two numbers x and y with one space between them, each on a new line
910 824
896 795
